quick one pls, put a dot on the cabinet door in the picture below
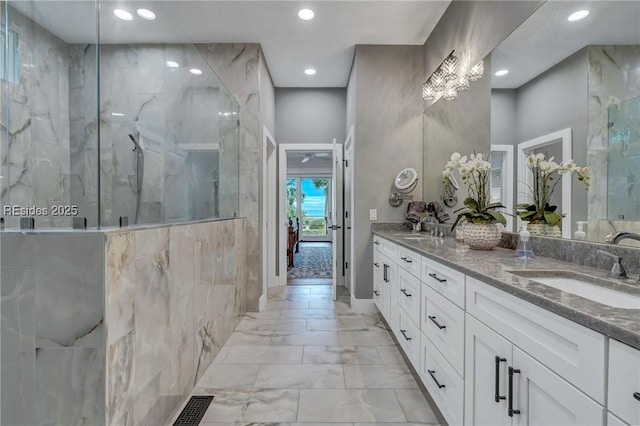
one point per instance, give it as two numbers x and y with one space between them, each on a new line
389 284
624 382
541 397
486 377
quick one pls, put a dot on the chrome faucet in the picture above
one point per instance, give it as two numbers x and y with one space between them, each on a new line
615 238
617 270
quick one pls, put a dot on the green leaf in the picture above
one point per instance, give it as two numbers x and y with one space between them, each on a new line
460 216
552 218
471 203
495 206
499 217
525 215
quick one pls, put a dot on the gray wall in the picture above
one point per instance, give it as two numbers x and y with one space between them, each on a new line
503 116
388 138
310 115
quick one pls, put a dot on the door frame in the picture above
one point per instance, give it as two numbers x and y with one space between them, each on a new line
349 206
268 219
508 179
283 149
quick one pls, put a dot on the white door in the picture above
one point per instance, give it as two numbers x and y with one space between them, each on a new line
348 212
486 383
541 397
335 225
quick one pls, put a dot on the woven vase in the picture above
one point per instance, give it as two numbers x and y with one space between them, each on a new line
482 236
553 231
537 228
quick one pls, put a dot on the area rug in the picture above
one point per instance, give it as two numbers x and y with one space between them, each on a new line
313 261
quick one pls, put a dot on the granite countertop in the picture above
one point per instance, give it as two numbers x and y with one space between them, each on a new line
492 267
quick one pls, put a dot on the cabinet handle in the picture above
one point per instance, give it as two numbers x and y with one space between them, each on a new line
376 243
432 374
405 334
385 277
636 395
407 260
498 397
377 265
432 318
435 277
512 371
376 292
404 291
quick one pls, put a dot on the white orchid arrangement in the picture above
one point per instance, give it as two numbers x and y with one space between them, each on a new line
475 172
546 176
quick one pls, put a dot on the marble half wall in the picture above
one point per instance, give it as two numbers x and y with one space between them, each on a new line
52 330
174 296
614 77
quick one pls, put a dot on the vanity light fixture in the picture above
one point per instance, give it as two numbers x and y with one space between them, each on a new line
502 72
172 64
306 14
462 83
450 94
310 71
576 16
195 71
438 81
450 67
146 14
428 94
476 71
123 14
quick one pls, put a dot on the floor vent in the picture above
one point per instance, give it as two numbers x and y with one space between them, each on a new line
194 411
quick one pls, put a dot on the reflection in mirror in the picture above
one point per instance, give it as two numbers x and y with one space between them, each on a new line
552 73
501 180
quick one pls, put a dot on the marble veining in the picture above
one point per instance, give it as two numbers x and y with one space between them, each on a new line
492 267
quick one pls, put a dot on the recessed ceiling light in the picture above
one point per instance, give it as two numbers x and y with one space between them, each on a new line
117 114
576 16
195 71
310 71
123 14
172 64
146 14
306 14
502 72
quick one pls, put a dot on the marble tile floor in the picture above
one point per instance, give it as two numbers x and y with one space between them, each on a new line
310 361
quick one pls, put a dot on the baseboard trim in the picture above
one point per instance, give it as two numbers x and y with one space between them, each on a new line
262 302
364 306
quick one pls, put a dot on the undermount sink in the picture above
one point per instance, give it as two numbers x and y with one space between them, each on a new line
591 288
412 237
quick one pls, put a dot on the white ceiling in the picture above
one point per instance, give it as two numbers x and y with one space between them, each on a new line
290 45
546 38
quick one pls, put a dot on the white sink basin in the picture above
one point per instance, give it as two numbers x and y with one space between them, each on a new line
583 286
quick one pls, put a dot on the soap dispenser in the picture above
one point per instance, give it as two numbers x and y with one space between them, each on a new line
580 234
524 250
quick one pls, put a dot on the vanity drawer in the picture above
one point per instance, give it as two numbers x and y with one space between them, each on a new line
443 324
446 281
572 351
409 337
624 382
385 247
409 260
408 294
445 386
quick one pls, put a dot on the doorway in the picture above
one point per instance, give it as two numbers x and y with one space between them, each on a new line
310 199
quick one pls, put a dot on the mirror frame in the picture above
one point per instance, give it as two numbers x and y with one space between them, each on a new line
508 182
525 178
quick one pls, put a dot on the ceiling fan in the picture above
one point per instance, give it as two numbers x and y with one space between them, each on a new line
319 155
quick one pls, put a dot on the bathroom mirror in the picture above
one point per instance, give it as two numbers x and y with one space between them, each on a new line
556 73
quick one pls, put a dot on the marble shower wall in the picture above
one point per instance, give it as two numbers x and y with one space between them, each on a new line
174 114
34 125
614 77
52 331
238 66
174 296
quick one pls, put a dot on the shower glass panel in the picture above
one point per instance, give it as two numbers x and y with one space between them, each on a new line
169 136
623 165
48 110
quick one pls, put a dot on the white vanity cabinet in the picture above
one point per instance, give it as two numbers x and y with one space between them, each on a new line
506 386
624 382
384 280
